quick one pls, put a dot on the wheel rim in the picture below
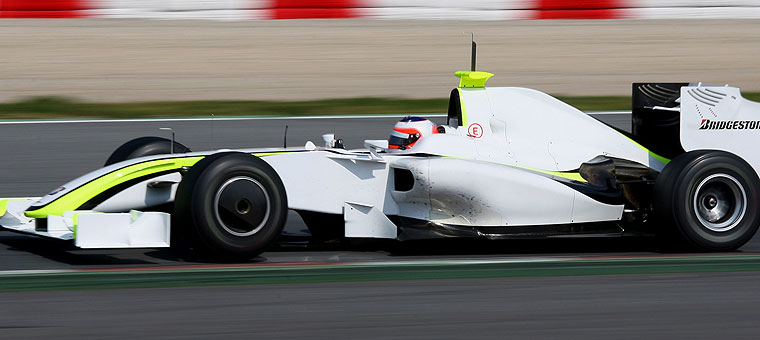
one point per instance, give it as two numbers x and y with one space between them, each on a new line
242 206
720 202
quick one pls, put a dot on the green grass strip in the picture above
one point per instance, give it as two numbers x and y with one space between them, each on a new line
59 107
231 276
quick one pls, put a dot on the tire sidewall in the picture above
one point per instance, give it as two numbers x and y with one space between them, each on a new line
205 229
684 191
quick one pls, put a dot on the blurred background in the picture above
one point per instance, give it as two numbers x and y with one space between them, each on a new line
177 50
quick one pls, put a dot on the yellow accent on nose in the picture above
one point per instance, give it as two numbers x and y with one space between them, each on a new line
4 204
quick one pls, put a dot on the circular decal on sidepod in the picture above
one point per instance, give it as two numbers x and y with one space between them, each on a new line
475 130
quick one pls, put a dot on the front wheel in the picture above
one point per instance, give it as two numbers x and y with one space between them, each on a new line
710 199
144 146
231 206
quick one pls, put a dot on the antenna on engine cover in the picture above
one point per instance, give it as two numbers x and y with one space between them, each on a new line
472 78
474 50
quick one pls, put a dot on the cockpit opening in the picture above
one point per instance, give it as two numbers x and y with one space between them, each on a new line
454 117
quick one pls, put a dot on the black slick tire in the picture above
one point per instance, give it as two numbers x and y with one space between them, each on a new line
229 206
709 200
144 146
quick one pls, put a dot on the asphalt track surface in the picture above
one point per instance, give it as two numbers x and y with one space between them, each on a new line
598 288
691 306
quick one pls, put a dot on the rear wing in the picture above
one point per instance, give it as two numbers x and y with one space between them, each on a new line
672 118
719 118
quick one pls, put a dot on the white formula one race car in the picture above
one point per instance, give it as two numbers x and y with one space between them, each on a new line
510 163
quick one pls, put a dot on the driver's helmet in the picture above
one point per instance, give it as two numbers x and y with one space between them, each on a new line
408 131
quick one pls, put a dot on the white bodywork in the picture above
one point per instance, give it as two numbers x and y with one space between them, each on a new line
502 176
529 128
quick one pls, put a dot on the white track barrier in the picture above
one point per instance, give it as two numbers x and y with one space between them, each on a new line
222 15
180 5
451 4
421 13
182 9
473 10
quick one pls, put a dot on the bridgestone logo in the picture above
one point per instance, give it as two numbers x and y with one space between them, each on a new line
730 125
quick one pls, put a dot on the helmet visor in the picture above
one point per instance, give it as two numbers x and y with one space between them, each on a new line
399 140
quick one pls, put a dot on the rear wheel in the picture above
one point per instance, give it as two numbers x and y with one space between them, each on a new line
709 199
144 146
230 206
